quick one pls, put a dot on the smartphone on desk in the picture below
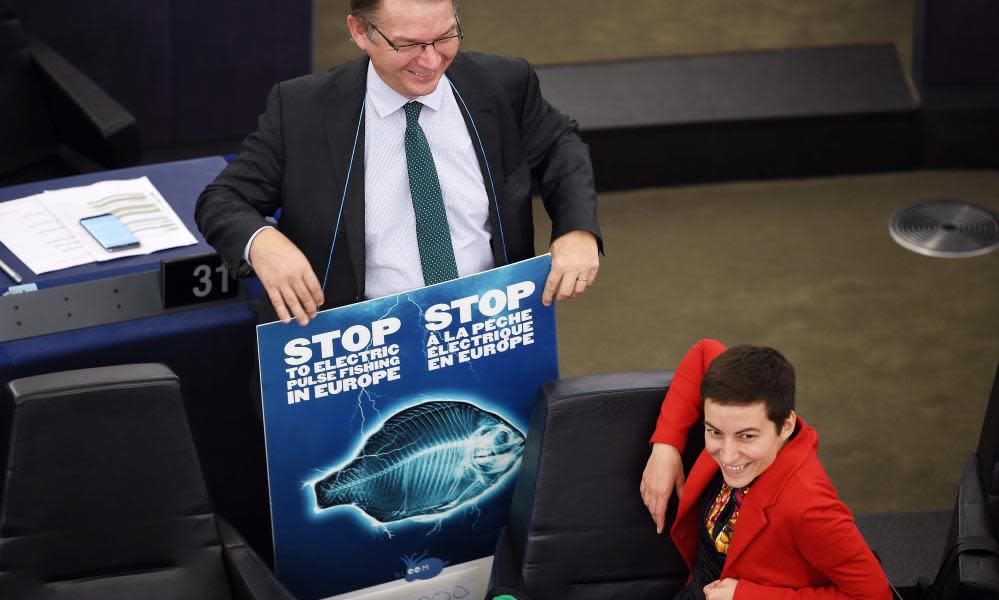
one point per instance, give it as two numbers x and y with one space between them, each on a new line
110 232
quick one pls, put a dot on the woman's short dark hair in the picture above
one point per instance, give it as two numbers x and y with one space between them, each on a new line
748 374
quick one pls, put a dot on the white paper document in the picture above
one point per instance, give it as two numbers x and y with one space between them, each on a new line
38 238
44 230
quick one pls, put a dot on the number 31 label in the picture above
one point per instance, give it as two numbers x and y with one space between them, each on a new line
205 280
195 279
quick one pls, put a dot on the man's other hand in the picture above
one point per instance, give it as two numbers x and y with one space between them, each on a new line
663 473
287 276
575 263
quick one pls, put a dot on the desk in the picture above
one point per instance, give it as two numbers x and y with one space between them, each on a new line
210 347
179 182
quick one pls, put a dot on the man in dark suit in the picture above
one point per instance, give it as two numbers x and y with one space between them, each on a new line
340 152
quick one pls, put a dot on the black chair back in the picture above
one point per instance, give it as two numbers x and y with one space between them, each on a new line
578 529
970 569
988 453
103 493
27 135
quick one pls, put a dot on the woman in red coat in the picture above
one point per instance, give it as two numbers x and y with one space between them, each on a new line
758 516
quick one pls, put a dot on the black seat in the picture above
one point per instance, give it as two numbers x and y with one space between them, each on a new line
578 529
55 120
103 495
988 453
970 569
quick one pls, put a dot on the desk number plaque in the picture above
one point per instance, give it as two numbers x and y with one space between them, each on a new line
195 280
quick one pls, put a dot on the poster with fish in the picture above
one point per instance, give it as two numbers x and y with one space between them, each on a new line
394 430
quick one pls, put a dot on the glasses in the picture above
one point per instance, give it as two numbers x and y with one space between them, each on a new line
445 43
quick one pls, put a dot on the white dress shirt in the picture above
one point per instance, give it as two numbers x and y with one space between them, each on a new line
392 254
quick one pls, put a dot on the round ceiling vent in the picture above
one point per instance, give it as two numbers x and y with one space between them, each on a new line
946 228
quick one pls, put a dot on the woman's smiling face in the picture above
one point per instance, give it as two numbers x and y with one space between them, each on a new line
742 440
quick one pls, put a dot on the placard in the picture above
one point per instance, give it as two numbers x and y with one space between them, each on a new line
395 428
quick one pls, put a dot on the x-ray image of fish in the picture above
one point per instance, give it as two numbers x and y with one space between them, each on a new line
425 460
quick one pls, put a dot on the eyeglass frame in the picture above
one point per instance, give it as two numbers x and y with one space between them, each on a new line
398 49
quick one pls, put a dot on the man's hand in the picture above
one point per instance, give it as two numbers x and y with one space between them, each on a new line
663 473
287 276
721 589
575 263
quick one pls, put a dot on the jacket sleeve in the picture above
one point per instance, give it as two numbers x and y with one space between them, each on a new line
683 405
827 537
560 160
232 207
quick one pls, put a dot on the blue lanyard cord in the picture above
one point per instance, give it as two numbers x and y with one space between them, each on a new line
343 200
485 161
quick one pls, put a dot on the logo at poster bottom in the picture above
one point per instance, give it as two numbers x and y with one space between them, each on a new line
421 567
425 460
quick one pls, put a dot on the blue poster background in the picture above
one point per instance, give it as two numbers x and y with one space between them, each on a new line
321 552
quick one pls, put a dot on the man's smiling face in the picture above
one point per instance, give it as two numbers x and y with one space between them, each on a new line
407 22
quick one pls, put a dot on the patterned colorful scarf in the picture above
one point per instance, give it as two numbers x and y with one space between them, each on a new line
723 536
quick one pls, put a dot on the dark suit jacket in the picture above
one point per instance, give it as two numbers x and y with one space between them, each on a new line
299 157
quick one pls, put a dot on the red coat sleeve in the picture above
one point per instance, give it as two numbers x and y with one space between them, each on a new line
683 406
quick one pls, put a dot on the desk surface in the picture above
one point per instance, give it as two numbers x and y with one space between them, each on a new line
179 182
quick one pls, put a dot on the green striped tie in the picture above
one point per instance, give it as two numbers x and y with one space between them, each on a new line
432 232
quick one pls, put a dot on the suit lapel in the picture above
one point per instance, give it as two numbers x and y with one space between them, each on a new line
477 102
686 527
344 126
764 493
752 520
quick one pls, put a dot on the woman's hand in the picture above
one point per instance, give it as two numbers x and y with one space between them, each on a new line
663 473
721 589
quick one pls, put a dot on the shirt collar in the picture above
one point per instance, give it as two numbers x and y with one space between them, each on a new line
386 100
